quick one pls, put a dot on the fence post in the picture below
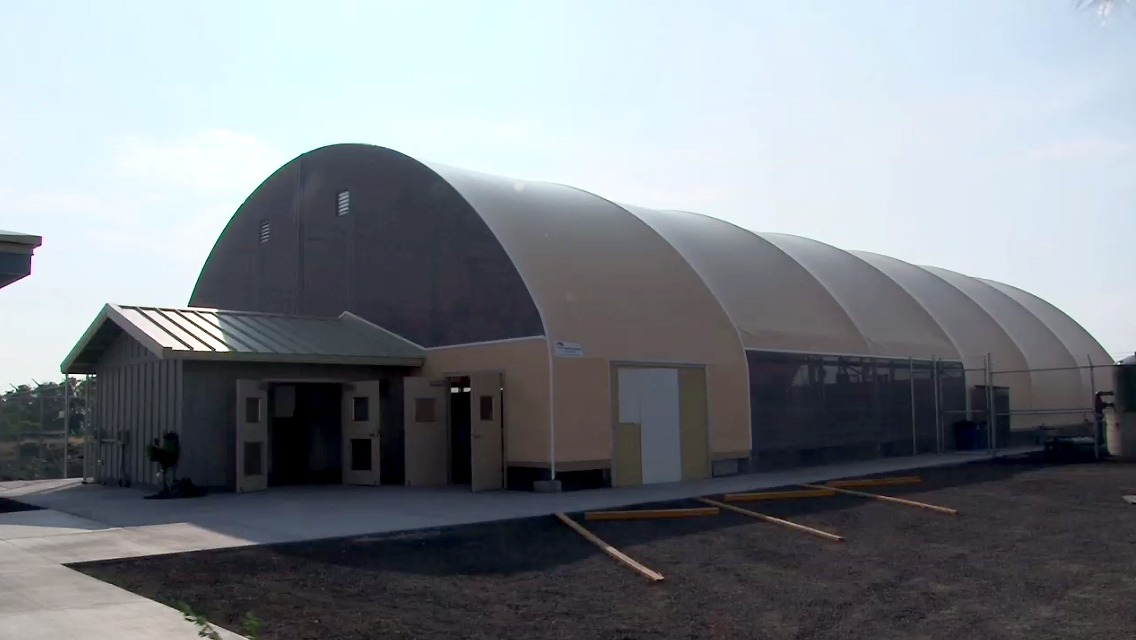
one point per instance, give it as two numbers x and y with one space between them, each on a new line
39 394
991 410
1096 418
936 381
86 427
911 379
66 422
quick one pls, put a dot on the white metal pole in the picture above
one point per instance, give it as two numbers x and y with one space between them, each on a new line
991 413
911 375
1096 418
935 381
551 409
66 421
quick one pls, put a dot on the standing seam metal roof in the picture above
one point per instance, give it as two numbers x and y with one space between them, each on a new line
205 334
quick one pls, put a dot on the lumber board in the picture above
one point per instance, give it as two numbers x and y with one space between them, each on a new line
784 523
876 496
652 575
874 482
777 495
651 514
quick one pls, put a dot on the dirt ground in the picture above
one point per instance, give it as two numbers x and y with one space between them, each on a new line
1037 552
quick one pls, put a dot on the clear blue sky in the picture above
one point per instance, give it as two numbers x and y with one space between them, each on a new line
995 138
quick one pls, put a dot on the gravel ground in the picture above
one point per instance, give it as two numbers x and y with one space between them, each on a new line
10 506
1037 552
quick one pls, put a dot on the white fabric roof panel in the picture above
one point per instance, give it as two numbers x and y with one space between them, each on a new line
972 331
600 277
593 275
891 321
1084 349
1042 349
773 300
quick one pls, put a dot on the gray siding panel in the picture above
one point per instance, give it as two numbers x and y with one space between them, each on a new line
136 393
148 397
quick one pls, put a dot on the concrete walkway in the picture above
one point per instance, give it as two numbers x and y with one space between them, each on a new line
39 598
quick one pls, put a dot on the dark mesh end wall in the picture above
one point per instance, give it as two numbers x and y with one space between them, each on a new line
811 410
408 253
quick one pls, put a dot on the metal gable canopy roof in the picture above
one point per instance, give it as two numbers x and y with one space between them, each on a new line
240 336
20 238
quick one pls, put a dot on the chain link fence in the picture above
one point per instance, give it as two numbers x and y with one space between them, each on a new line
43 430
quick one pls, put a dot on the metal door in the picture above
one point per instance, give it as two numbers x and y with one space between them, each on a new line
252 436
426 433
486 449
361 428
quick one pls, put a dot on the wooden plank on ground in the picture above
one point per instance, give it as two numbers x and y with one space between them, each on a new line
651 514
876 496
874 482
784 523
777 495
1130 499
609 550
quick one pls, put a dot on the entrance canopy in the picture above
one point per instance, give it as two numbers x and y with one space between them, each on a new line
240 336
16 255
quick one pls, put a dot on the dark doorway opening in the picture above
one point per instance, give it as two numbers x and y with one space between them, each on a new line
304 434
460 431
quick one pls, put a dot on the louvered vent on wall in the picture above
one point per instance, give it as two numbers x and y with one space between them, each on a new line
264 231
344 202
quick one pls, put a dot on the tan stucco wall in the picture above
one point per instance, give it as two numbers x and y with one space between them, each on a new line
525 367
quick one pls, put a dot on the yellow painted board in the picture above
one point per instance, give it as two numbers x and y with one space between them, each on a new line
784 523
876 496
777 495
651 514
652 575
694 437
874 482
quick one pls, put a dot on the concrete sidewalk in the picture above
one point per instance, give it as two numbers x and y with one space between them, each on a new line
39 598
118 523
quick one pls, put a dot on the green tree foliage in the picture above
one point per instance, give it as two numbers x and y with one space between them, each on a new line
33 419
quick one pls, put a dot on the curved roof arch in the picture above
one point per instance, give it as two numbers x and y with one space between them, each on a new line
625 281
1081 346
973 331
599 275
1055 389
790 311
892 322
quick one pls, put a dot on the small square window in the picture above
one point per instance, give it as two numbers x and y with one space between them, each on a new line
361 409
424 410
252 410
343 203
486 407
264 231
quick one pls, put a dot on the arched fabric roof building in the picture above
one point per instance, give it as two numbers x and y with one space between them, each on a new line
776 349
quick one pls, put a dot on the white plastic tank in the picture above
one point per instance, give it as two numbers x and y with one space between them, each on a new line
1120 421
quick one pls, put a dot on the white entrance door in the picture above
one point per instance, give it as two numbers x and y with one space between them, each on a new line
361 429
649 400
661 436
487 469
252 435
426 434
